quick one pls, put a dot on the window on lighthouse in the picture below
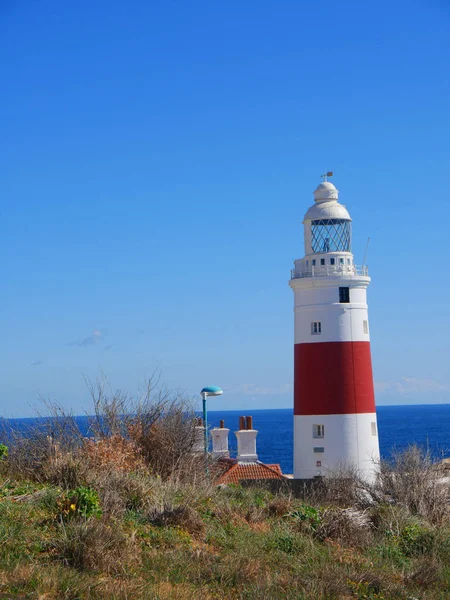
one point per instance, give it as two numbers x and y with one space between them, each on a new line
344 294
318 431
316 327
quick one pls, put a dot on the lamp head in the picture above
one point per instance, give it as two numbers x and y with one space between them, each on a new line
211 390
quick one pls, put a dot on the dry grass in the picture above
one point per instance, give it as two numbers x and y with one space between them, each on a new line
413 479
112 453
94 545
281 505
182 516
348 527
170 539
155 431
160 529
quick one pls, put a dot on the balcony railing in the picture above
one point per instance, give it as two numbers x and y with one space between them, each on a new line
328 270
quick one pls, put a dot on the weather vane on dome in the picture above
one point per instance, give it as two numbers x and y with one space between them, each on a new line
326 175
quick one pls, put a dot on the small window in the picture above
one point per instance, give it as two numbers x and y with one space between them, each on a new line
349 262
316 327
344 294
365 327
332 261
322 261
313 262
373 426
318 431
319 449
307 262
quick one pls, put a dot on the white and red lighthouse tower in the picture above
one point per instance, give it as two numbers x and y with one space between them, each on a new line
335 423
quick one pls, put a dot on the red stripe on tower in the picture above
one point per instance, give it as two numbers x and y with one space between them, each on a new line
345 386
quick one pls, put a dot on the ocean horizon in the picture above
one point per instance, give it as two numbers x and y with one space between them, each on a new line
427 425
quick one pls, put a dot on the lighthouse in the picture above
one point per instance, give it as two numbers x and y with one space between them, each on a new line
335 423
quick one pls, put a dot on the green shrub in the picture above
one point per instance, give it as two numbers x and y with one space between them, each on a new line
3 451
82 501
391 554
285 541
306 514
87 501
415 540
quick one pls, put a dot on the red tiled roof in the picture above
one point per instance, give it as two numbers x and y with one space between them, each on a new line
241 471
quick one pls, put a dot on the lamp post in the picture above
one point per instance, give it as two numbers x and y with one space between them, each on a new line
209 390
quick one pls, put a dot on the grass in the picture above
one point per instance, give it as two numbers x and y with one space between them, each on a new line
131 515
169 539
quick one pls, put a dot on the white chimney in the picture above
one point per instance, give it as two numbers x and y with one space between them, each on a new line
219 437
246 440
198 447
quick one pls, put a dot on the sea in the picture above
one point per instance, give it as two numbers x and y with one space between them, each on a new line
427 425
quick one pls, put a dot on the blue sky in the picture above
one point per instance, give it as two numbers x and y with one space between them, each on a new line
156 161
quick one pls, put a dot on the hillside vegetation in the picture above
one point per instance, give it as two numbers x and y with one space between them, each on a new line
131 514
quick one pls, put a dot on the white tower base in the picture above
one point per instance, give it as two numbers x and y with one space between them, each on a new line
350 435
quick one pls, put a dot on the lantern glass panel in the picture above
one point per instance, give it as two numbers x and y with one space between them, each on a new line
331 235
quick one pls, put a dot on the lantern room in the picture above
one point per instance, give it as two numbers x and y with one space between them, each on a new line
327 223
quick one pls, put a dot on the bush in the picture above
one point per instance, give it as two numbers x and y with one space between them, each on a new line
120 491
112 453
81 502
45 452
414 480
306 517
3 451
155 431
415 540
389 519
86 501
91 544
280 505
342 486
348 527
182 516
68 470
158 426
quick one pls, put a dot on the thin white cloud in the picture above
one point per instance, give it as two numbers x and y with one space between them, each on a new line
91 340
412 385
252 389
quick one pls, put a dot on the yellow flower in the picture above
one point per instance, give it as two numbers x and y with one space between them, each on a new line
73 506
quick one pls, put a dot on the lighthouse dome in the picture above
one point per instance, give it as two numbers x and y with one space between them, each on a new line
326 205
325 191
